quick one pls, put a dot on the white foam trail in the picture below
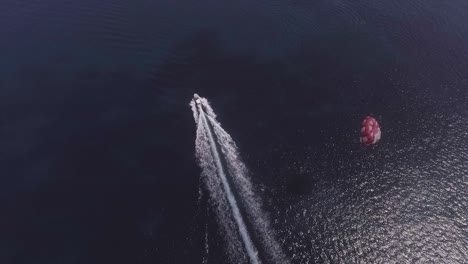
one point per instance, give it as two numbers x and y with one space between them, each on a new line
221 193
194 111
207 108
217 197
251 251
252 202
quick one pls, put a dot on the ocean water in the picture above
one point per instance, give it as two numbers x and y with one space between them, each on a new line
97 141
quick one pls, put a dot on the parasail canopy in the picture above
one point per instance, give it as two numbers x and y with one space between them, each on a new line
370 131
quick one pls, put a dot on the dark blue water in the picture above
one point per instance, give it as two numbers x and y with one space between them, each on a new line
97 140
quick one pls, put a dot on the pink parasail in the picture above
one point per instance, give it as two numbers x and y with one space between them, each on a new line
370 131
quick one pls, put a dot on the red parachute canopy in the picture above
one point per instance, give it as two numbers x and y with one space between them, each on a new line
370 131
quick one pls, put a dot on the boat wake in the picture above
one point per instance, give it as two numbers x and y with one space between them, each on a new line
246 228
